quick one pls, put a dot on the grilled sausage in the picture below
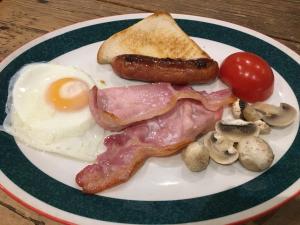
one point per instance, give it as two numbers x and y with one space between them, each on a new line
175 71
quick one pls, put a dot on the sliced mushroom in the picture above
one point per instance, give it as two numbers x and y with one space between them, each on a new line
264 128
243 110
281 116
237 108
266 109
235 130
221 150
255 154
195 157
251 114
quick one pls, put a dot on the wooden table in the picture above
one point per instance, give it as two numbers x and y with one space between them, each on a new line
23 20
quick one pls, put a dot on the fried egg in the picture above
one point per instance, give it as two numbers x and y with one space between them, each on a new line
47 109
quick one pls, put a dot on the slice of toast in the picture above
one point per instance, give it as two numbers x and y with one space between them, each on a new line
157 35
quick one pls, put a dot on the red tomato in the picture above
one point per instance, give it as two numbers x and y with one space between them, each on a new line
250 77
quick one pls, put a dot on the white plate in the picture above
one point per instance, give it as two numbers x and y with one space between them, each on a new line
162 183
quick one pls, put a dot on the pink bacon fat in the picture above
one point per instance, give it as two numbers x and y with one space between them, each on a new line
160 136
118 107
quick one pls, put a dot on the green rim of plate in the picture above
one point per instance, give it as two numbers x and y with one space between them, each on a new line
33 181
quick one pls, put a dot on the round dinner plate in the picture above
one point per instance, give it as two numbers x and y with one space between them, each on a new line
163 191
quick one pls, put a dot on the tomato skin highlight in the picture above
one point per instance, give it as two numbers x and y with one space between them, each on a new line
250 77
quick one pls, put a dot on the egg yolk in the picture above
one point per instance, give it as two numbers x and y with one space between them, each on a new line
68 94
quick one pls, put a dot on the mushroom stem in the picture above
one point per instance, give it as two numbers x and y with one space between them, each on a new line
221 150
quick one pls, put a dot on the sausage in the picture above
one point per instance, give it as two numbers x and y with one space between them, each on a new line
175 71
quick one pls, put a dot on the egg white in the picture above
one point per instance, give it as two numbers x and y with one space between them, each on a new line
35 122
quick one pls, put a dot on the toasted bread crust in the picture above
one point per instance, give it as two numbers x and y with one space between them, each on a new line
158 35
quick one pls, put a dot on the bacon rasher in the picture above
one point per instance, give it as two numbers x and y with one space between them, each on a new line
160 136
118 107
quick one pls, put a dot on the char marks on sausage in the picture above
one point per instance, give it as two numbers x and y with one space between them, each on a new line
118 107
175 71
160 136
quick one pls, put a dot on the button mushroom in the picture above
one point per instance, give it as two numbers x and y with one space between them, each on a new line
243 110
281 116
263 127
235 130
255 154
221 150
251 114
195 157
266 108
237 108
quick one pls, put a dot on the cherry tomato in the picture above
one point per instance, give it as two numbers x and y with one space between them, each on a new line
250 77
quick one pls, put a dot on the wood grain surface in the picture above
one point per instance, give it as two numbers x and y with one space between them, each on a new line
22 21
